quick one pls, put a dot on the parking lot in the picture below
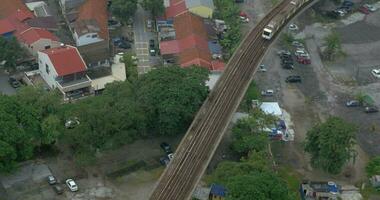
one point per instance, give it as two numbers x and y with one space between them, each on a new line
5 87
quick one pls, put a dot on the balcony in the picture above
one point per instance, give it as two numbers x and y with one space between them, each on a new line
71 85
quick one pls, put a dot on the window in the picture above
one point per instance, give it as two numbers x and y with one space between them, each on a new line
47 47
94 36
47 69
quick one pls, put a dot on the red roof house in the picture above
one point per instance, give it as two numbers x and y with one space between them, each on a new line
97 10
169 47
175 9
66 60
32 35
6 27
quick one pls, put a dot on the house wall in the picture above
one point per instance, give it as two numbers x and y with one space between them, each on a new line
86 39
43 60
202 11
40 45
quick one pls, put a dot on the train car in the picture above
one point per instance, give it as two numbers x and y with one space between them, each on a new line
281 18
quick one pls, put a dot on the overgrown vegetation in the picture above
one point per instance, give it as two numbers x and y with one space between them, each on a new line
252 93
373 167
162 102
253 176
228 11
10 53
124 9
156 7
333 47
331 144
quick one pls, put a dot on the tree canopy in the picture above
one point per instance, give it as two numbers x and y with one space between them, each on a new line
331 144
156 7
373 167
248 134
124 9
171 96
10 52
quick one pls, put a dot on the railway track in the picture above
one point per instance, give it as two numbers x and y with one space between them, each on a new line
202 138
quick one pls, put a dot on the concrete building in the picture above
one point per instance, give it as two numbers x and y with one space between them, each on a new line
64 68
36 39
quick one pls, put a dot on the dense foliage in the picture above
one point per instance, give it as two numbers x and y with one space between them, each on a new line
171 96
373 167
228 11
124 9
252 178
163 101
333 46
248 134
252 93
156 7
10 52
331 144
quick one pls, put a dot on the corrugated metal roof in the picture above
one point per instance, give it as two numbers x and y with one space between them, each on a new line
196 3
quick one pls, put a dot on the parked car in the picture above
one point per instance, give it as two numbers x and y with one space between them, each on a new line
347 3
166 147
149 23
370 7
352 103
58 189
364 10
262 68
151 43
371 109
293 79
171 156
293 27
72 123
51 180
297 44
72 185
124 45
283 52
243 17
287 66
376 73
267 93
14 82
287 61
164 161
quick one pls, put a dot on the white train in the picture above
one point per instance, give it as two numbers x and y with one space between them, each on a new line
281 18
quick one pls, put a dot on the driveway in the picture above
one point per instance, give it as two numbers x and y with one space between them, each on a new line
142 35
5 88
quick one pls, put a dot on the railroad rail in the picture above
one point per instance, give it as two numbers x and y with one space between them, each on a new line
204 134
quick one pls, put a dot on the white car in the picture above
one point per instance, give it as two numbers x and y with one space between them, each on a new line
370 7
376 73
293 27
72 185
171 156
267 93
71 123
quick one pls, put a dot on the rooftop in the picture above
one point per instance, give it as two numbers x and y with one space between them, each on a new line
8 7
66 60
97 10
218 190
32 35
6 26
86 26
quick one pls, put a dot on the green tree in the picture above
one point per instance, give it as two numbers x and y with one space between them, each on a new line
124 9
331 144
171 96
252 93
257 186
373 167
51 128
333 46
156 7
10 52
8 157
130 67
249 133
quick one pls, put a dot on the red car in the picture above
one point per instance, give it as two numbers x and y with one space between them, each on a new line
364 10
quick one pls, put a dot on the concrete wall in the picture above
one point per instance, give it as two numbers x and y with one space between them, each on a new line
40 45
86 39
43 60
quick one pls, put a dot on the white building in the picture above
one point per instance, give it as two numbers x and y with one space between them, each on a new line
64 68
86 32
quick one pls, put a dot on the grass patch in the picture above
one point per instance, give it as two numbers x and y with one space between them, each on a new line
292 178
369 191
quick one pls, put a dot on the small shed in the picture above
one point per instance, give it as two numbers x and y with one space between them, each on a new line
375 181
271 108
217 192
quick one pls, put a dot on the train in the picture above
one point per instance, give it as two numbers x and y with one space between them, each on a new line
274 25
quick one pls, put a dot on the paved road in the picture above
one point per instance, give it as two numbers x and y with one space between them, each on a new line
5 88
142 36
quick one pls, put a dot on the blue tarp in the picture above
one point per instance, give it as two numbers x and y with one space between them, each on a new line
218 190
214 47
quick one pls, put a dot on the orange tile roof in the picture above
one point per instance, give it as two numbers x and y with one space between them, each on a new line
8 7
32 35
195 56
187 23
96 9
